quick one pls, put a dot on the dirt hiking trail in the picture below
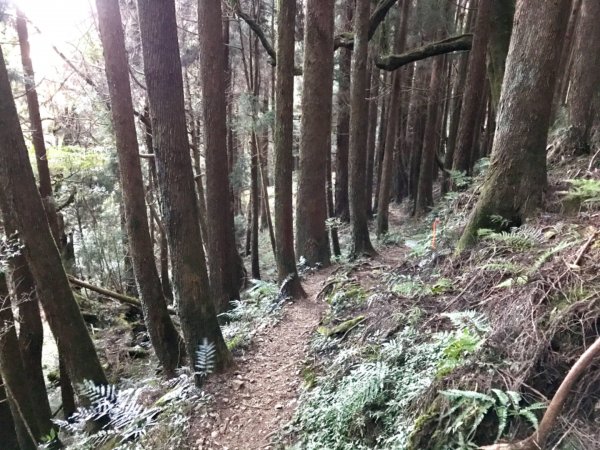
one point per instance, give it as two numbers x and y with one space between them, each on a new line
254 400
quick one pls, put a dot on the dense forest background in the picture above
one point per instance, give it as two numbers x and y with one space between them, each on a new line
299 224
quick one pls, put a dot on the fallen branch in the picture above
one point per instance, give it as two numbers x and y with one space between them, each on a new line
452 44
584 248
537 440
112 294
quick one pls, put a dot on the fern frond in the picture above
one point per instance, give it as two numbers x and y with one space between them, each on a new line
205 358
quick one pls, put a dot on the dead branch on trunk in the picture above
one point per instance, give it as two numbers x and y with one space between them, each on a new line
458 43
345 39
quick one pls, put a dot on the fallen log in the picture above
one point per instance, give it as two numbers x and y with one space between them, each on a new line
108 293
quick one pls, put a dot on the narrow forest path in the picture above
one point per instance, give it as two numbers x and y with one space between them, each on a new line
258 397
253 401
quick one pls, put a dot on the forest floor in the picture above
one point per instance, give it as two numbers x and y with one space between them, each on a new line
255 400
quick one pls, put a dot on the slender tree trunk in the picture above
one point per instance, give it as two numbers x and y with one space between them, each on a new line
392 128
414 125
425 186
474 89
255 194
283 146
342 207
563 77
33 107
18 184
380 146
517 175
584 97
361 243
14 376
311 205
372 136
162 67
501 24
222 252
333 229
31 332
165 340
8 433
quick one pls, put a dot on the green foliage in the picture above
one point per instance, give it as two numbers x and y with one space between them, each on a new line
517 240
468 409
373 403
258 307
460 179
468 337
413 287
346 295
584 190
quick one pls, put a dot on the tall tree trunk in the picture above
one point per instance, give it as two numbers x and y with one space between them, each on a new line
33 107
14 376
379 151
8 433
18 184
165 340
283 146
162 67
256 203
372 135
311 205
342 133
474 89
584 97
361 243
563 77
501 24
517 175
31 332
415 124
425 186
392 128
222 251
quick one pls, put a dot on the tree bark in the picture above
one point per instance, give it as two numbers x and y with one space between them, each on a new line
372 134
8 433
165 340
342 132
162 67
361 243
474 90
425 186
255 194
584 97
517 175
389 152
501 24
18 185
31 332
14 376
222 252
311 205
283 146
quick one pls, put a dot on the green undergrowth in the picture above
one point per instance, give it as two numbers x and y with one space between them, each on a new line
462 350
257 309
